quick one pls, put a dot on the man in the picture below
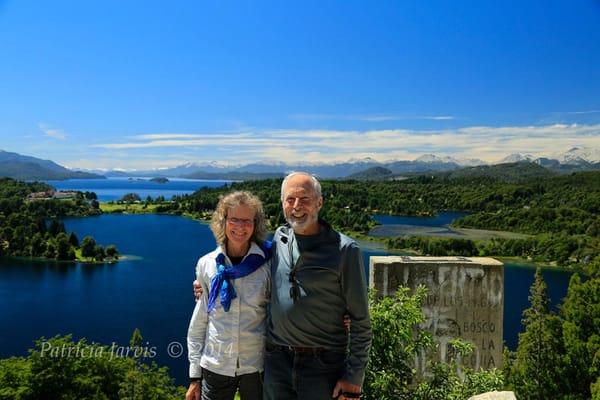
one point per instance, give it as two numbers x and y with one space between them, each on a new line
317 277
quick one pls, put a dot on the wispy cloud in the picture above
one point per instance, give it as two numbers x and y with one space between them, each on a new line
369 118
583 112
171 136
439 118
52 132
293 145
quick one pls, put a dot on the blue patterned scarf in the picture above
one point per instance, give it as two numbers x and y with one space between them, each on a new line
220 283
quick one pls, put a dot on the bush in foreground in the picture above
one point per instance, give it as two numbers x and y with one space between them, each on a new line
396 339
49 372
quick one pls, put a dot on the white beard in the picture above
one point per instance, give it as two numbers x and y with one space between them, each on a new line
302 223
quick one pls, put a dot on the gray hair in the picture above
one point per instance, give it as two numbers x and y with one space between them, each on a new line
315 182
230 201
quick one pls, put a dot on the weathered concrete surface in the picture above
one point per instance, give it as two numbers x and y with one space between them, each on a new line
494 396
465 300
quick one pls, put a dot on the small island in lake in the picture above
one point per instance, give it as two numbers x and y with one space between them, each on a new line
159 179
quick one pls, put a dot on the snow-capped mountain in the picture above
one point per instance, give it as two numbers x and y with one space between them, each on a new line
470 162
576 155
432 158
463 162
575 159
516 157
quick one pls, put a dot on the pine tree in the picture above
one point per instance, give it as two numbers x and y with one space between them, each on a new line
62 247
136 338
537 372
88 246
73 240
581 327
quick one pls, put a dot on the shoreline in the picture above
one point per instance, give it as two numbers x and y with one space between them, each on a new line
377 243
83 262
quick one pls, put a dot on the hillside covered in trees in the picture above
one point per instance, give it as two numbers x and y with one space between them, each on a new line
30 226
560 213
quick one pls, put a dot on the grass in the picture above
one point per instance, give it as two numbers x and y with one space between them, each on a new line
131 208
90 260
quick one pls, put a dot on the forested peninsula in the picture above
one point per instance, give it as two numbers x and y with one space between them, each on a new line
30 225
559 214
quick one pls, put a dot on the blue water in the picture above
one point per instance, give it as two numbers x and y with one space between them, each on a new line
105 303
112 189
441 219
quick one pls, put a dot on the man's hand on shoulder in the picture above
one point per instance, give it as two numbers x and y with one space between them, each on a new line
345 390
197 289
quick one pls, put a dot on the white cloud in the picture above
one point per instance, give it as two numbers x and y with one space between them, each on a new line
369 118
439 118
584 112
293 145
51 132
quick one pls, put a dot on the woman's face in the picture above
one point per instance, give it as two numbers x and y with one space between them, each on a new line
239 225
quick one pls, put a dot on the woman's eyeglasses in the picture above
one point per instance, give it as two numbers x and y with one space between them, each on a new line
240 221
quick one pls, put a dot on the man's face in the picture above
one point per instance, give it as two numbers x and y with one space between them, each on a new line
301 205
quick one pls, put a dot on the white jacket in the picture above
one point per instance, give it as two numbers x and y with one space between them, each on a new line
230 343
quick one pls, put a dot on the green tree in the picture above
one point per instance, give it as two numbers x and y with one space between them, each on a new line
581 326
15 373
136 338
112 252
538 371
397 339
88 247
395 343
99 253
131 198
88 371
63 247
56 227
37 245
73 240
50 249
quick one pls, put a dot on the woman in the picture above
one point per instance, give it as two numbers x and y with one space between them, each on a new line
226 336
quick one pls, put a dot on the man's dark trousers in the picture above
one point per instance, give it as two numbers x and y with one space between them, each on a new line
291 375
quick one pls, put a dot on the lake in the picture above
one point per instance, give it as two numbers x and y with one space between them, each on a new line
440 220
112 189
105 303
152 291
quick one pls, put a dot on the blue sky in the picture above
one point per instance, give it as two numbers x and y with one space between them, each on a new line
142 84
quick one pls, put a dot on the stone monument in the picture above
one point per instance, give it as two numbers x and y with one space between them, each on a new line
465 300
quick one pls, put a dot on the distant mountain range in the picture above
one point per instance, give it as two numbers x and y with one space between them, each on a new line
22 167
575 159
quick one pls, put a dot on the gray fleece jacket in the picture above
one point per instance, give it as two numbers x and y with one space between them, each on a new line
328 281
